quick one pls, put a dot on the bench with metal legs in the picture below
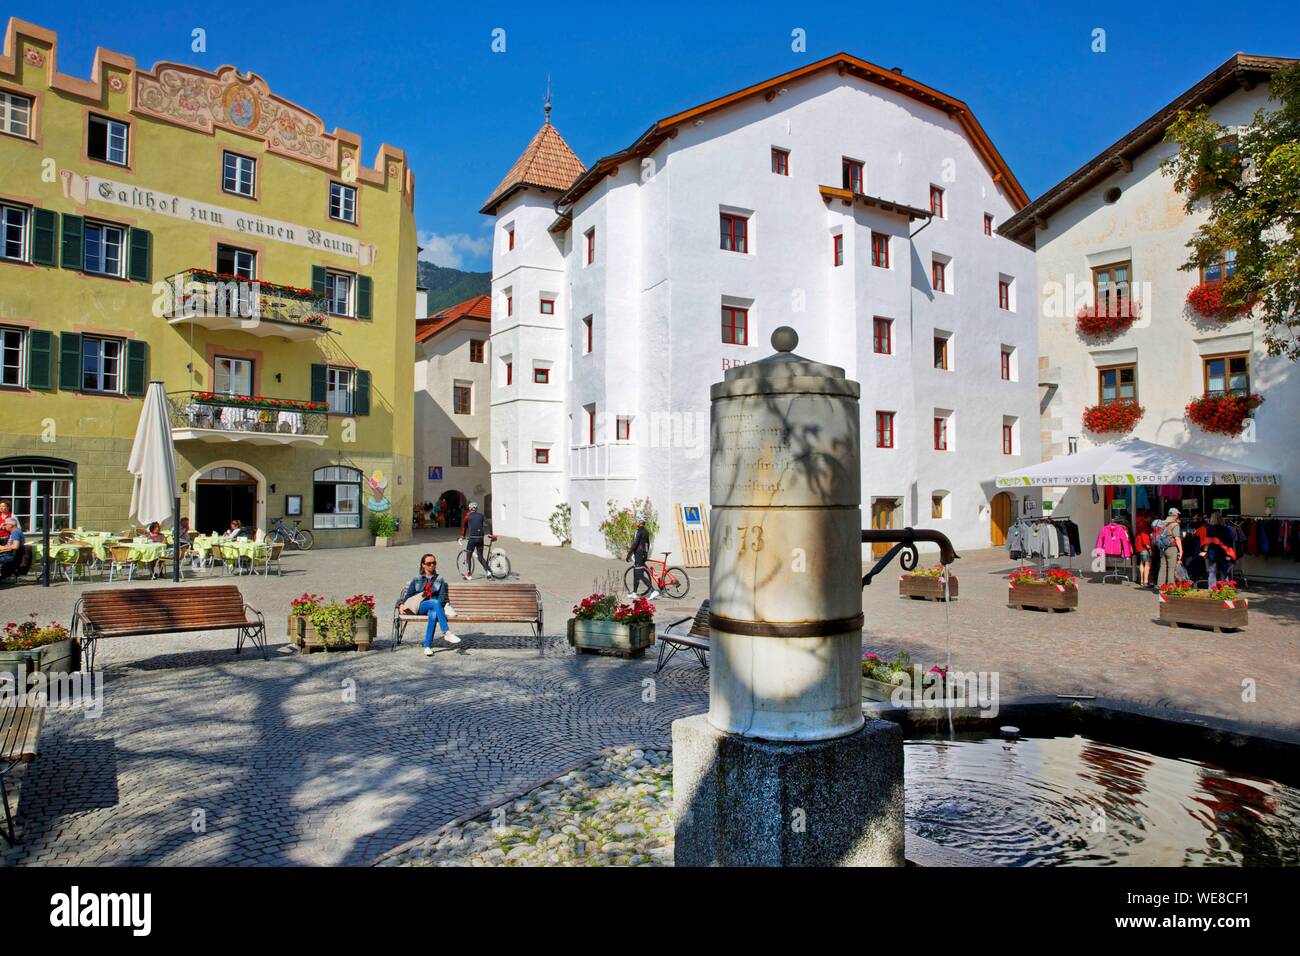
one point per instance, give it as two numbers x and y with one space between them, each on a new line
696 640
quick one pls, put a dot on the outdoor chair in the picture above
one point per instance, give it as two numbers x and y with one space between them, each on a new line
119 561
77 562
273 553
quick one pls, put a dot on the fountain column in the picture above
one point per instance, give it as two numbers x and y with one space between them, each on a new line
783 770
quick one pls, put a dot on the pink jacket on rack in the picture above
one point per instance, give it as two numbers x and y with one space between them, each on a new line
1113 541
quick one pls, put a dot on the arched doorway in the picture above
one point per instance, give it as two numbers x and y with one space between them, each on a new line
224 491
1002 508
452 508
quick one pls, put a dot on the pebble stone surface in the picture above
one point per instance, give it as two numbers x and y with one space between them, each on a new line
614 811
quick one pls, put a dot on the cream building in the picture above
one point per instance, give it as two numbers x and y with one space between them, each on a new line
452 410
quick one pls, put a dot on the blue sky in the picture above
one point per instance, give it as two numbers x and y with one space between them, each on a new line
424 76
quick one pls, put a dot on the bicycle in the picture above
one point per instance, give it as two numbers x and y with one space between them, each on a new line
300 538
498 565
671 581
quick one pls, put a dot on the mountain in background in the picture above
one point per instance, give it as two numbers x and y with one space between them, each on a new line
448 286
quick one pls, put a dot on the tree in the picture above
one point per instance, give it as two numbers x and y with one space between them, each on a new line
1249 181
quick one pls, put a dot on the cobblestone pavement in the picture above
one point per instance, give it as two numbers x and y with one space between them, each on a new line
204 757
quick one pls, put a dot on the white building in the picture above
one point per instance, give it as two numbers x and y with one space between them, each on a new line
452 413
845 200
1116 220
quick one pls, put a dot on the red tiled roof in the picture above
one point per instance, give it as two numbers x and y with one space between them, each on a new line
479 307
547 163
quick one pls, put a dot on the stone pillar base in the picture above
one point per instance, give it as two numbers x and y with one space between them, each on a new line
743 802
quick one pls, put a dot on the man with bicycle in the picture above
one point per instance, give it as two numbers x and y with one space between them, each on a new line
473 528
639 552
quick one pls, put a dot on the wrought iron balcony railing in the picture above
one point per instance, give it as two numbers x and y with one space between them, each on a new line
251 415
199 294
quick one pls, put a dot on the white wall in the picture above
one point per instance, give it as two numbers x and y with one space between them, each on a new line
441 362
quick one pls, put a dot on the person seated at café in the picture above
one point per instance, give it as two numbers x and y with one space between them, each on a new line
184 537
156 534
236 530
7 521
11 551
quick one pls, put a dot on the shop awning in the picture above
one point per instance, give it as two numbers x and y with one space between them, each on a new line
1132 461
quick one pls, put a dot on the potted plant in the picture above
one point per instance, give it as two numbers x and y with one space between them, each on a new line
602 625
1055 589
1222 414
1118 416
362 608
300 610
1106 321
331 627
383 526
926 584
880 674
1220 607
27 647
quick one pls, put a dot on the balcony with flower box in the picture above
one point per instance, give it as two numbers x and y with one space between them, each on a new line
248 419
217 301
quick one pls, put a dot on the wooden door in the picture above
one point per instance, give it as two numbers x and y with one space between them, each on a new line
1001 522
884 513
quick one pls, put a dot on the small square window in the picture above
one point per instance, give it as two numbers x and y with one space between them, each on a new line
238 174
590 241
882 336
880 250
460 399
939 275
541 376
936 201
343 202
624 429
510 239
853 175
476 351
460 452
988 224
542 456
837 250
107 140
780 161
547 306
734 232
884 429
15 115
735 325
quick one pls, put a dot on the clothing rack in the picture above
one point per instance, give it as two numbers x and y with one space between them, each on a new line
1128 573
1046 519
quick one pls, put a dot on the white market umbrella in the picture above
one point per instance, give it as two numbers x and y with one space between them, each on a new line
153 462
1132 461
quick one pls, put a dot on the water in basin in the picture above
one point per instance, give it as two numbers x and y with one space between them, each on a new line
1075 801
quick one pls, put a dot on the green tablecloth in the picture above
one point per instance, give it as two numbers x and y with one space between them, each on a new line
58 551
148 552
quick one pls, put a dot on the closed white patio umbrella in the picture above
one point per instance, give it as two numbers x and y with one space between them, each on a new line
153 466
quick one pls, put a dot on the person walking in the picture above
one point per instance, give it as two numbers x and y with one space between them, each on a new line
1219 551
1170 541
638 553
473 529
427 595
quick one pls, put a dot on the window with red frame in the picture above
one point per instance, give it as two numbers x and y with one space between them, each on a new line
940 433
938 275
510 373
476 351
591 245
1007 436
781 161
853 174
510 305
837 250
1006 365
988 224
1004 294
586 331
735 325
510 239
591 424
880 250
460 399
884 429
548 306
541 376
735 232
882 336
936 201
542 456
624 429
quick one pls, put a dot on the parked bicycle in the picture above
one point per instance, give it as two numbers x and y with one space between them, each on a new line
498 565
300 538
671 581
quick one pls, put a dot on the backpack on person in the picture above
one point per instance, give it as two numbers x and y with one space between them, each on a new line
1163 541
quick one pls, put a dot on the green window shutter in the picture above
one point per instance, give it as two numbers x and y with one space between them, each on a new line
73 256
70 360
364 288
361 394
40 359
318 280
318 383
45 226
137 366
139 263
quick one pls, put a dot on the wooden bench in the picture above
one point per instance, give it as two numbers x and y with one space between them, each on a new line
171 610
20 733
483 604
695 640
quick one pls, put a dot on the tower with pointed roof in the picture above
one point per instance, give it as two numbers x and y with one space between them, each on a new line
529 344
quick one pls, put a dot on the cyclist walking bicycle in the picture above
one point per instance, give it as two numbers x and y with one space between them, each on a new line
638 553
473 528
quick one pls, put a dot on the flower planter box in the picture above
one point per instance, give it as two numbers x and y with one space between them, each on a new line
367 628
922 587
611 637
361 640
1042 596
1204 612
381 542
61 657
297 627
876 690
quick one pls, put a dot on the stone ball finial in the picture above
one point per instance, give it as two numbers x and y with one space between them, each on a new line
785 339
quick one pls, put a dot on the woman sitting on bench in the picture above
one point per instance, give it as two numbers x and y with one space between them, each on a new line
426 595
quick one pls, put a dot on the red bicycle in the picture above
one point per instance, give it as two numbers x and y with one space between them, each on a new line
671 581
